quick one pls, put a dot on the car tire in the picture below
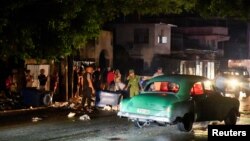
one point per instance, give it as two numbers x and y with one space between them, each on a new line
231 118
186 123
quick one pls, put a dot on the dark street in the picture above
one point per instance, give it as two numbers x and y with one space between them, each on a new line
53 124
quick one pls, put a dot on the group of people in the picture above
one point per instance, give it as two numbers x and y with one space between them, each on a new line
89 80
13 82
86 82
42 78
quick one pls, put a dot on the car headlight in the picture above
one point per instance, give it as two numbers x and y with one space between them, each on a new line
233 83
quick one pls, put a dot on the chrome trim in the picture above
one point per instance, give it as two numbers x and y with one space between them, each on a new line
139 117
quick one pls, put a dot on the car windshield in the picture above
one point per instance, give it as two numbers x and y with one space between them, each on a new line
163 86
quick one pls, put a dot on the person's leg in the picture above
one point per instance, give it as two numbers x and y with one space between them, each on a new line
74 90
131 92
136 92
89 97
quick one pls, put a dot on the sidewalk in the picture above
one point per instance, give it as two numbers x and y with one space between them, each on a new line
48 112
21 111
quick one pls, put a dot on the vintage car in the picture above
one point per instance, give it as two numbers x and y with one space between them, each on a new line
181 100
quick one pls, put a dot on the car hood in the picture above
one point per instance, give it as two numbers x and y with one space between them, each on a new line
153 101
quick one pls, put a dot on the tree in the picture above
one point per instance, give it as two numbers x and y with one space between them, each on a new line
45 28
56 28
235 9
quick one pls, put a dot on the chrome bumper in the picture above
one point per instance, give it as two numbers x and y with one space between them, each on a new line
140 117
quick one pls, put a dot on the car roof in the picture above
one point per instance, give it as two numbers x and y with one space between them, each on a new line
185 82
178 78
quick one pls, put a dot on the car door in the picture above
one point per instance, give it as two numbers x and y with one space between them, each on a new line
206 101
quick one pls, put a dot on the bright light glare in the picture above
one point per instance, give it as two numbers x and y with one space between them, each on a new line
233 82
208 83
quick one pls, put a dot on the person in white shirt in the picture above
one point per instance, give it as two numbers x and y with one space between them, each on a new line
158 72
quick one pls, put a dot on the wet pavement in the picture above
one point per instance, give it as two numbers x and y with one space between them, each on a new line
64 108
54 124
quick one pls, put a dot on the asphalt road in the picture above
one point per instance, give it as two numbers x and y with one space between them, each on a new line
55 125
98 128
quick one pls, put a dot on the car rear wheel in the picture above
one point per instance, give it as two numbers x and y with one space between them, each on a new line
186 123
231 118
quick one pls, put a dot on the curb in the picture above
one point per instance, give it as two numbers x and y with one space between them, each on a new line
21 111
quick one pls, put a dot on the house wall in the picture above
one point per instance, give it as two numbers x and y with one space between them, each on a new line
104 43
125 36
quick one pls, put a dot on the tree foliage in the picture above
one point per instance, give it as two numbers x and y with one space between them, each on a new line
55 28
234 9
46 28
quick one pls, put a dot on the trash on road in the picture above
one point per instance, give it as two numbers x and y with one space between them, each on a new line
60 104
72 105
107 108
36 119
84 117
71 114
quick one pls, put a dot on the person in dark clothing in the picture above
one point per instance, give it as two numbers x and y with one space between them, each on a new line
42 79
88 88
97 79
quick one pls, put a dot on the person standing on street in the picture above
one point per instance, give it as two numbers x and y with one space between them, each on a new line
29 79
42 80
88 88
133 83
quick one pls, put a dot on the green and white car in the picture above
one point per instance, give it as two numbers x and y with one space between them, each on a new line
181 100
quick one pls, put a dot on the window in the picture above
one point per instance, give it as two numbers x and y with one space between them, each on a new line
162 39
163 87
141 35
197 89
208 85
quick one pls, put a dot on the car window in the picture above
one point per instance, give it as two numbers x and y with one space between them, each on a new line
197 89
200 88
208 85
163 86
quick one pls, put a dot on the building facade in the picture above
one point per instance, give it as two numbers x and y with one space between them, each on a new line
99 51
184 50
144 41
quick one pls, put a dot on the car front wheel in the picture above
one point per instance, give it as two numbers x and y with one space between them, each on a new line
231 118
186 123
140 124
